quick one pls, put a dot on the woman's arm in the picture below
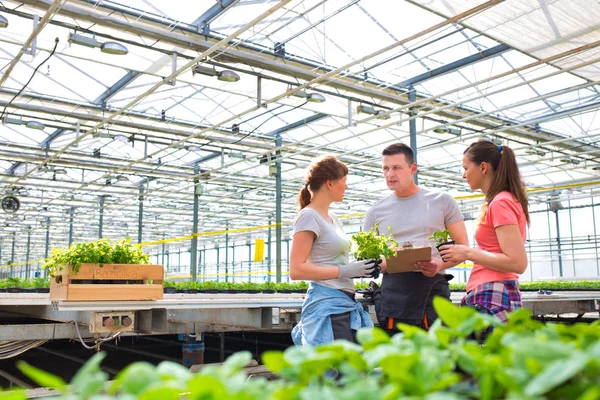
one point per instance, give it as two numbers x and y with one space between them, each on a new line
512 259
300 269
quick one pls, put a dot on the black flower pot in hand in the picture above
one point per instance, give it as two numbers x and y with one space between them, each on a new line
444 244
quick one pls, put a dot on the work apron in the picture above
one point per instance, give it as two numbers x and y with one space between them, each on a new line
407 297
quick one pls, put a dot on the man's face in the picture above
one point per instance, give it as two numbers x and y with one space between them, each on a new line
397 173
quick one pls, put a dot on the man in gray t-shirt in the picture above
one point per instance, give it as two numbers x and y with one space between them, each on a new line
413 214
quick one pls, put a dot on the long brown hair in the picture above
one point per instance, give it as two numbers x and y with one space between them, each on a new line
504 165
321 170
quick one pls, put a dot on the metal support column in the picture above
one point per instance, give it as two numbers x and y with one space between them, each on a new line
100 215
221 346
163 250
140 213
560 266
278 143
27 253
70 225
12 256
218 261
595 235
249 262
233 263
269 252
227 251
47 249
412 97
194 244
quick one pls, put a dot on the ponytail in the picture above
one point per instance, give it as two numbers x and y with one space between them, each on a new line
304 196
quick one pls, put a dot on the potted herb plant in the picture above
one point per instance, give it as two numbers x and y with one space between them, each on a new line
371 245
441 238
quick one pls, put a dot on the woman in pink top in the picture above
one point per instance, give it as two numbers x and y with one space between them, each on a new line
500 255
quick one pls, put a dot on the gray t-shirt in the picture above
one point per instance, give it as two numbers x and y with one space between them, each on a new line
414 218
330 247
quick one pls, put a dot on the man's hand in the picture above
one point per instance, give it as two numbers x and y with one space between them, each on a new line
431 267
383 265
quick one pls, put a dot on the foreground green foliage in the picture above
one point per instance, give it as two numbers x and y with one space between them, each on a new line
102 251
371 245
524 359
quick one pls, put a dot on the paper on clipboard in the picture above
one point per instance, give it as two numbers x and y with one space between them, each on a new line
405 259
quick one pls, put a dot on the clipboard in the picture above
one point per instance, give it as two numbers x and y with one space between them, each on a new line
405 259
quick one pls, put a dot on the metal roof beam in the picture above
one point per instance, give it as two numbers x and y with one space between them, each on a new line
453 66
297 124
101 100
213 13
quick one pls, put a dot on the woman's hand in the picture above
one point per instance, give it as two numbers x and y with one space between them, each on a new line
455 253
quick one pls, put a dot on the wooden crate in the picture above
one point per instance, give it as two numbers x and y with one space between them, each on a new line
62 287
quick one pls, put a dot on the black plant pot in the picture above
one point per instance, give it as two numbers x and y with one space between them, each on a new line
444 244
12 290
169 290
268 291
42 290
190 291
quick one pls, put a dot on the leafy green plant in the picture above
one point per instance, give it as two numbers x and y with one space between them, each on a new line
522 359
371 245
102 251
440 236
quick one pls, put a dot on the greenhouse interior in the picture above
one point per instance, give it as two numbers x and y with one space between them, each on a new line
195 148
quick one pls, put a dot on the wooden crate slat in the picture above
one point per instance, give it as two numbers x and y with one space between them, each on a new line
86 292
61 287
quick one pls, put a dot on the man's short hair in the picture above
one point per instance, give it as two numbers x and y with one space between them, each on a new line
400 148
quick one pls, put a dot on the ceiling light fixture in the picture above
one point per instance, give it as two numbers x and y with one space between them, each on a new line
102 135
193 147
60 171
114 48
122 178
382 114
303 94
228 76
441 129
361 108
225 75
3 22
108 47
35 125
315 98
19 121
535 152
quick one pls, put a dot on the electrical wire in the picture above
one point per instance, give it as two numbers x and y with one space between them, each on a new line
98 341
266 120
12 348
56 40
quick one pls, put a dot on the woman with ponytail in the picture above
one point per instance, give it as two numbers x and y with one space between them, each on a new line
319 254
500 255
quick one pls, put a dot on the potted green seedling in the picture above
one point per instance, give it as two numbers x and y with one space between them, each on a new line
441 238
371 245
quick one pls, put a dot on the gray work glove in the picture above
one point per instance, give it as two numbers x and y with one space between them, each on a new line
359 269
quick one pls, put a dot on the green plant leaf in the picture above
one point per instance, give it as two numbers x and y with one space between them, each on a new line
555 374
17 394
41 377
371 337
275 360
135 378
452 315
